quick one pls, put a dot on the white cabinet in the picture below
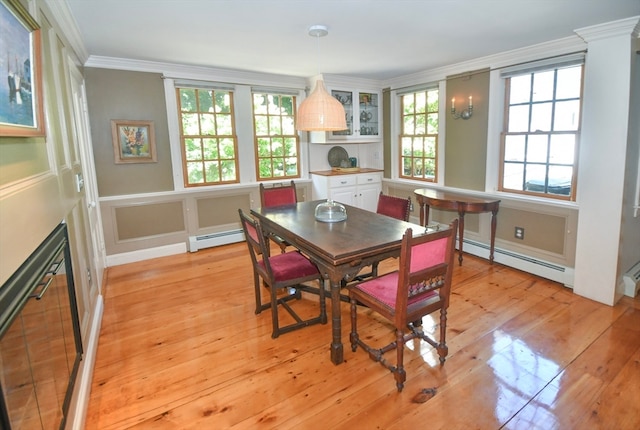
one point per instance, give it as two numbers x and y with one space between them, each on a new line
364 118
358 189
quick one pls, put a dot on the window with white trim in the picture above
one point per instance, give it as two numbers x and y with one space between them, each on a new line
419 118
540 138
277 147
207 136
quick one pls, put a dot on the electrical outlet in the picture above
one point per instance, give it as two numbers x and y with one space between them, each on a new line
519 233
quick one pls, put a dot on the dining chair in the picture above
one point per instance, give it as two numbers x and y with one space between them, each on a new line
395 207
278 195
420 286
282 272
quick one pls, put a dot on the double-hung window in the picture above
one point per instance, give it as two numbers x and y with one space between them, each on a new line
419 135
539 144
277 147
207 136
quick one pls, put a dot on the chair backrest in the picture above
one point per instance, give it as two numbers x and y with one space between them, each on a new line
395 207
426 269
257 245
278 195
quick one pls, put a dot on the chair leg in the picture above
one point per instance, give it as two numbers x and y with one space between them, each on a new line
274 313
443 349
256 285
353 337
399 372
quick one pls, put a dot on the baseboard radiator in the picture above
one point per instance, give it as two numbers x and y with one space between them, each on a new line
544 269
632 281
215 239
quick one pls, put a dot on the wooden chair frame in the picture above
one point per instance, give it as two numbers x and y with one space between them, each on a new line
418 293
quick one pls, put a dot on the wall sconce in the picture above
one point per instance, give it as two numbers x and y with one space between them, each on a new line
466 113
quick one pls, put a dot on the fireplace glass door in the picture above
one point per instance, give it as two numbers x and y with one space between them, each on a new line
40 347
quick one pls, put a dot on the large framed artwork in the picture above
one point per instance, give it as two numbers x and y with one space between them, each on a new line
21 110
133 141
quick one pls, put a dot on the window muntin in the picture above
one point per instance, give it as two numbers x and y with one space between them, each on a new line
542 127
207 136
419 136
277 147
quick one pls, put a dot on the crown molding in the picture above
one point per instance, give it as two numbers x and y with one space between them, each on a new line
65 20
623 27
553 48
181 71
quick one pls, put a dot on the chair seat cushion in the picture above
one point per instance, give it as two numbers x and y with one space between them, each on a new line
290 265
385 289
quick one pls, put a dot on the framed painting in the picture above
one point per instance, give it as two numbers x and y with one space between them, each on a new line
21 110
133 141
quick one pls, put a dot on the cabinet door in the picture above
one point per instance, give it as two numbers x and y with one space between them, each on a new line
344 195
368 115
346 99
368 196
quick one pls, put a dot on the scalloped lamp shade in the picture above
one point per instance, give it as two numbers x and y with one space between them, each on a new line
321 112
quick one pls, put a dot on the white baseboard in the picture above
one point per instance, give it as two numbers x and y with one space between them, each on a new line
82 390
544 269
146 254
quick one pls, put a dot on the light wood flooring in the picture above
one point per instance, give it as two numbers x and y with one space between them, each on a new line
181 348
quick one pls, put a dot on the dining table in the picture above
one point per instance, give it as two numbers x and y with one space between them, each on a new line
339 249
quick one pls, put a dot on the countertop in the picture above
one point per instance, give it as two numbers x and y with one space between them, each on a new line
346 172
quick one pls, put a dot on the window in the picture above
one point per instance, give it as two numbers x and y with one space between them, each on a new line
276 140
419 135
541 131
207 136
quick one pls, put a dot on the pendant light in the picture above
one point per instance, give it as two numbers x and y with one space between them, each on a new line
320 111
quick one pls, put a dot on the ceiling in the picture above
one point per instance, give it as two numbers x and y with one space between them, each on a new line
377 39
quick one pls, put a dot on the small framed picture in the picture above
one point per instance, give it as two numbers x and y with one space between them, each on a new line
21 111
133 141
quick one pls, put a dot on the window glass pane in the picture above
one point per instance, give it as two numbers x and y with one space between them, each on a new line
537 149
432 123
541 117
513 174
207 124
535 177
408 104
193 150
567 116
569 81
562 148
520 90
418 146
514 148
409 125
543 86
288 125
194 173
190 125
275 127
261 124
224 125
430 146
223 102
518 118
560 180
227 148
433 100
188 100
210 149
206 102
212 171
421 102
407 144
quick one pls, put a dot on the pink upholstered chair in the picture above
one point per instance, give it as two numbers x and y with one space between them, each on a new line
420 286
394 207
278 195
286 271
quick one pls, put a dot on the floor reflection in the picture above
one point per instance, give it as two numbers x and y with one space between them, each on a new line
521 374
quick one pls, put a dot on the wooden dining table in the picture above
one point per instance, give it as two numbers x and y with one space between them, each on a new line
339 249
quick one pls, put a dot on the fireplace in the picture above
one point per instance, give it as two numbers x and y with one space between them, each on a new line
40 345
